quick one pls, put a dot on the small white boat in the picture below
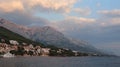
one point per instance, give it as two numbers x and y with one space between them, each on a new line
8 55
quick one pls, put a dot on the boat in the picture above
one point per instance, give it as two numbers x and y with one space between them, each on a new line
8 55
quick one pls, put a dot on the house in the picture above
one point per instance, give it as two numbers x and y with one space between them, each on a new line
45 51
31 46
26 48
14 47
13 42
38 51
2 49
76 53
24 44
59 51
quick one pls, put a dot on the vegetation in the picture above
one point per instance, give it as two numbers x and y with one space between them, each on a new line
9 35
55 51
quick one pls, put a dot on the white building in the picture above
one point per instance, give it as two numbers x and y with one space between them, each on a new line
45 51
31 46
13 42
76 52
24 44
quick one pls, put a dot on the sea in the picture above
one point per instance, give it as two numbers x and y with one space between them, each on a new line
60 62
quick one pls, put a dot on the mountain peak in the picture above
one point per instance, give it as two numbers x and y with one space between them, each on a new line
5 22
2 21
48 28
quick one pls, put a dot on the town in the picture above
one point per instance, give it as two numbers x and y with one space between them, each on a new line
14 48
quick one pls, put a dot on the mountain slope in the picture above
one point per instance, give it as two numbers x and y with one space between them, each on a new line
9 35
51 36
48 36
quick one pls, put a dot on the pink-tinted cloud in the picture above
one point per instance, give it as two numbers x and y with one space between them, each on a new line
82 11
111 13
10 6
71 23
53 5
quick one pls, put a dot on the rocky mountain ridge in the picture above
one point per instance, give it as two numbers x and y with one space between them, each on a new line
48 36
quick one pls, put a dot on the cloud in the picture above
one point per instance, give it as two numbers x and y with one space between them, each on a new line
95 31
110 13
10 6
55 5
24 18
114 21
80 19
22 11
82 11
71 23
109 22
41 5
110 17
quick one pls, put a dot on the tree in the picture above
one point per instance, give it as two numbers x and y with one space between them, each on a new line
13 52
30 53
20 51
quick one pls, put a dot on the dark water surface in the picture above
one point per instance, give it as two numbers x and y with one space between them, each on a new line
60 62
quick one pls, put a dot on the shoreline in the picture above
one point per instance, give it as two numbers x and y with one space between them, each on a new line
55 56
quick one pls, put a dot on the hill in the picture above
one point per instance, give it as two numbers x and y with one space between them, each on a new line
9 35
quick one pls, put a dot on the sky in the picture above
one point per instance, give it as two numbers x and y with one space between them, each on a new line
95 21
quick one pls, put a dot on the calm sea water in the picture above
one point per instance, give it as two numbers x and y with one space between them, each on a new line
60 62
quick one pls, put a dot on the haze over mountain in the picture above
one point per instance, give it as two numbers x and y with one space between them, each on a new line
48 36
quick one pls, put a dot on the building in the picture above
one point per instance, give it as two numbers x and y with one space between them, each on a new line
45 51
13 42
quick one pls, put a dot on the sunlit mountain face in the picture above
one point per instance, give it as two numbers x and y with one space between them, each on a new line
97 22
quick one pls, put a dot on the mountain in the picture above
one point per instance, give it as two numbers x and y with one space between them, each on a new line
9 35
22 30
49 36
